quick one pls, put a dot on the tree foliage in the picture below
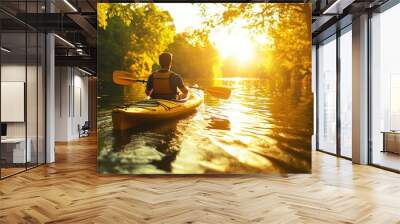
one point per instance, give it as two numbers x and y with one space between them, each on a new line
288 26
194 59
131 36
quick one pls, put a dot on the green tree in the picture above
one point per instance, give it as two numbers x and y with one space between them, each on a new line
130 37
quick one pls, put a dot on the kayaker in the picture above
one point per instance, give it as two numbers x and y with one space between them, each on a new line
164 83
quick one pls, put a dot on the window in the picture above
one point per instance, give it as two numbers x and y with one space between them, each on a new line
346 93
327 95
385 89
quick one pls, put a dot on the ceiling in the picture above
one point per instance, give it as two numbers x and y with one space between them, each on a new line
74 22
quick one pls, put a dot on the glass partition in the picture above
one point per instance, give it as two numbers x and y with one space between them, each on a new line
22 87
13 94
327 95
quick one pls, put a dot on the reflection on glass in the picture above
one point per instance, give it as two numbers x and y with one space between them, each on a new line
327 96
346 94
13 84
22 70
386 89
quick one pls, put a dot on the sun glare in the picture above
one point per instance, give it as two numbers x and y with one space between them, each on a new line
237 46
234 41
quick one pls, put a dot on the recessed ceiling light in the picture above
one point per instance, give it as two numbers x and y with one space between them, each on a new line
337 7
65 41
70 5
5 50
84 71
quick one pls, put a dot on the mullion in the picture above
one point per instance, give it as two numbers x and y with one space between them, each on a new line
316 96
37 90
26 87
338 95
46 35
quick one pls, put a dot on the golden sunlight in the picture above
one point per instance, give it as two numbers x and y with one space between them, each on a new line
238 47
234 41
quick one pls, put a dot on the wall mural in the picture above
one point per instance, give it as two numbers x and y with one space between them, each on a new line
204 88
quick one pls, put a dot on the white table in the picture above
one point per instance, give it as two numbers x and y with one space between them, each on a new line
18 149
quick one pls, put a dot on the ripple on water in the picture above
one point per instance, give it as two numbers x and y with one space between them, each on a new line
254 131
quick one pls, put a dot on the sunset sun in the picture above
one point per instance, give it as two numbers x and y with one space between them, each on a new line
238 47
235 42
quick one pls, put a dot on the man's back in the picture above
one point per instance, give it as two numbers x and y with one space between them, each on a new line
164 84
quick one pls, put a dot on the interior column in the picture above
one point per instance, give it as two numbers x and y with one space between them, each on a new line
50 92
360 90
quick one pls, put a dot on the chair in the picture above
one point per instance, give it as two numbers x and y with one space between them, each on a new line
84 130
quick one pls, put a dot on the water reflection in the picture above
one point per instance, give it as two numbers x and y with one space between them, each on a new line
219 123
260 129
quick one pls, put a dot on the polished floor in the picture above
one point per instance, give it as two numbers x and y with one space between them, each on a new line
70 191
9 171
5 172
387 159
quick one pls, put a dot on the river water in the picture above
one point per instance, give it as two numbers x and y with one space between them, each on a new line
260 129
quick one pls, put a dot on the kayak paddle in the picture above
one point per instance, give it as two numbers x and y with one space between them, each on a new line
125 78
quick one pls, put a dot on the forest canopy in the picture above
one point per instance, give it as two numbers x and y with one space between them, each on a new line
270 41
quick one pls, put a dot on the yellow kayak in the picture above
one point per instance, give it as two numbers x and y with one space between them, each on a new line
153 110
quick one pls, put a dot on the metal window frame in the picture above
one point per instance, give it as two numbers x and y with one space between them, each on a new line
317 75
339 32
387 5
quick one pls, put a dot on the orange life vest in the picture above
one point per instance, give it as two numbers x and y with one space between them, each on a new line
162 84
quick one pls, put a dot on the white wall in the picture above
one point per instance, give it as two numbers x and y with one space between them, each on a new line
62 80
33 127
80 111
71 102
12 73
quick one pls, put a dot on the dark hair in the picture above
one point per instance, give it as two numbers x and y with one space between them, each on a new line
165 59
